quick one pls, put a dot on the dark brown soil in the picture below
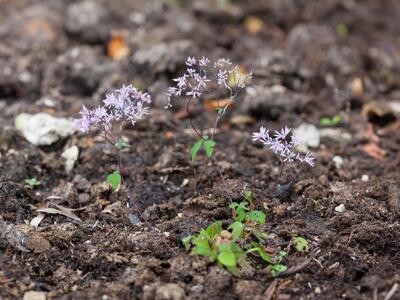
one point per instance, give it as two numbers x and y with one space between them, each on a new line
128 244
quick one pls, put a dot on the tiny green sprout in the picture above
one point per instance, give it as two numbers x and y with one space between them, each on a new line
32 182
208 146
277 268
300 243
121 145
249 196
335 120
114 179
342 30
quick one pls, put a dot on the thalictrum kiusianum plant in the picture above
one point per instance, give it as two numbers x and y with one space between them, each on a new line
125 105
202 78
230 247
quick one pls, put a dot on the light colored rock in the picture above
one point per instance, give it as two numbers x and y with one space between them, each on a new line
34 295
170 291
338 161
71 156
43 129
335 134
340 208
365 178
308 135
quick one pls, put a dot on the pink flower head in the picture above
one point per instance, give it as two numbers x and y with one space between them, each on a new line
280 145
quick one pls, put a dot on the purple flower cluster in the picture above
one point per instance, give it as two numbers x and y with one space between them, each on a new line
202 76
125 104
280 145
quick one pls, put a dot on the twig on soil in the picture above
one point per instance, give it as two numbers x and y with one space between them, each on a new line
269 293
295 269
393 290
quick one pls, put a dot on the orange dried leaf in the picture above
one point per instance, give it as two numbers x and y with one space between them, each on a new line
253 24
215 104
117 48
374 151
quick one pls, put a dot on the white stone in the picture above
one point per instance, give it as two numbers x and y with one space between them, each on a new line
335 134
308 135
365 178
42 129
338 161
340 208
71 156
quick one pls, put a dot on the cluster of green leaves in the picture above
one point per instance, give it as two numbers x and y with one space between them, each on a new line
205 143
230 247
335 120
32 182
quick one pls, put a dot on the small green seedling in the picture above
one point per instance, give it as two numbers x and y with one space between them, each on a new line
300 243
335 120
207 144
342 30
121 145
32 182
114 179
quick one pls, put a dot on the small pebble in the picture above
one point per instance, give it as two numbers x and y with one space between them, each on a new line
340 208
83 198
365 178
338 161
134 219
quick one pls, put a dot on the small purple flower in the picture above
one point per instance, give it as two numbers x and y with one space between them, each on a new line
222 77
194 93
204 61
190 61
280 145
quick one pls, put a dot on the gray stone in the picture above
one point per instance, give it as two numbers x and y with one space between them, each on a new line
43 129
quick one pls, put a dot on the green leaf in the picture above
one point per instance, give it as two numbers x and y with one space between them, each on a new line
277 268
214 229
263 254
233 205
187 242
240 215
249 196
300 243
227 258
237 230
209 147
257 216
337 119
325 121
261 236
195 149
114 179
342 30
32 181
121 145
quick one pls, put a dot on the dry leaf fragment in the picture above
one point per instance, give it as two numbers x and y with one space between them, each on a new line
253 24
117 48
357 87
373 150
35 222
60 210
215 104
